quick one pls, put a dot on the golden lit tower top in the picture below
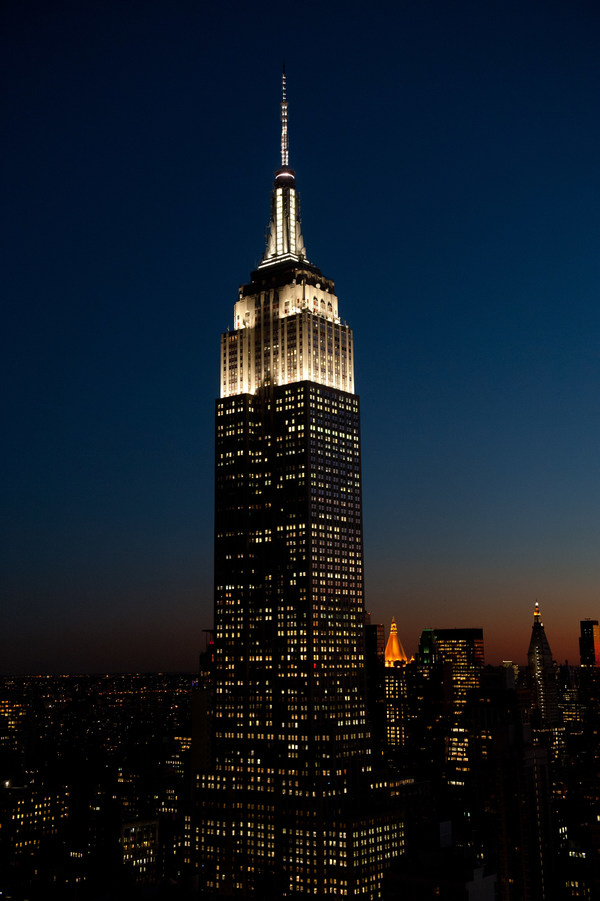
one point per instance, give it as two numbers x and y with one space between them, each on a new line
394 652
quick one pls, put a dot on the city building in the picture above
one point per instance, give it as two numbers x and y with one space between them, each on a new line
460 651
139 841
396 712
542 675
454 659
11 718
291 805
589 643
33 829
375 639
508 791
375 673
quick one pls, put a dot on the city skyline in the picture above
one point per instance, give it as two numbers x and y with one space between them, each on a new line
452 192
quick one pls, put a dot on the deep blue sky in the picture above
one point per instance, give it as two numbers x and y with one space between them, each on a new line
447 158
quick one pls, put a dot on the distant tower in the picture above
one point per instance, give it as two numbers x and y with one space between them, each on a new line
394 652
589 643
395 690
541 673
426 653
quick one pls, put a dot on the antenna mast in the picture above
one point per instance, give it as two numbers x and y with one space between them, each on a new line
284 123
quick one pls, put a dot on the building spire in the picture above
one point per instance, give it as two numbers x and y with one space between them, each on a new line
541 673
394 652
284 122
284 241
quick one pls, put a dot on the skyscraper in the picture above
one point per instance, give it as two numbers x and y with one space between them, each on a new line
542 675
508 791
460 654
395 689
589 643
288 806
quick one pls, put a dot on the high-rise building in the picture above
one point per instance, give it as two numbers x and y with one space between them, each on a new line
375 673
288 808
589 643
460 654
542 674
395 690
456 658
508 792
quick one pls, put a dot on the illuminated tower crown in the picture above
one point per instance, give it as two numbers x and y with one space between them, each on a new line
394 652
286 323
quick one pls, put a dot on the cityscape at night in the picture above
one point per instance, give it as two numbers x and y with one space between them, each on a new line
335 634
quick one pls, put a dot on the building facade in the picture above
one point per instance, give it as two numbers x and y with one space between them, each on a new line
456 656
589 642
288 806
396 712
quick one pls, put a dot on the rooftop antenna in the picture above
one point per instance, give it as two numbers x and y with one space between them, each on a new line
284 123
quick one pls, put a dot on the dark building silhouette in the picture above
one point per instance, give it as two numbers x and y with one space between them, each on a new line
375 639
375 672
589 643
290 806
508 791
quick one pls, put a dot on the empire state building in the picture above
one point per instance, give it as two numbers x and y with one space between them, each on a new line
288 808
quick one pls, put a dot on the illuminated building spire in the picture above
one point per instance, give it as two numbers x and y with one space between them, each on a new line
537 616
284 126
394 652
285 241
294 296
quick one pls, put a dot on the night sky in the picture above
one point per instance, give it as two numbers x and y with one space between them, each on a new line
447 157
